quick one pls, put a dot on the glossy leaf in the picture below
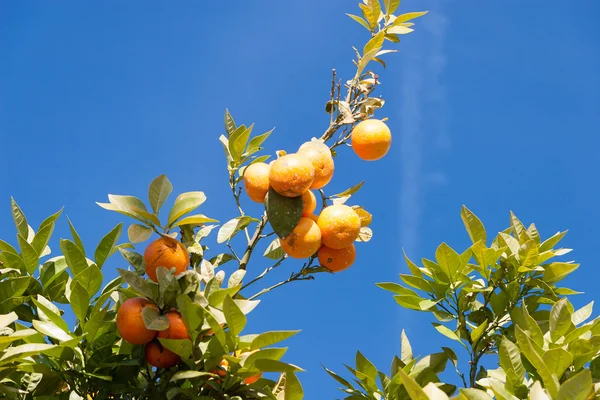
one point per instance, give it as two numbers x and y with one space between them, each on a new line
106 245
185 203
158 192
283 212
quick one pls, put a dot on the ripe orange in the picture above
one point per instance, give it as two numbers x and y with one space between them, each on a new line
291 175
304 241
337 260
166 252
130 322
176 329
159 357
256 181
371 139
313 217
340 226
320 157
310 203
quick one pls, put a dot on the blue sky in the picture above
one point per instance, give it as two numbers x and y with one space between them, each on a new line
491 104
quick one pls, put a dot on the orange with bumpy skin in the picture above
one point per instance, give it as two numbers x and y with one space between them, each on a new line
130 322
304 241
256 181
340 226
320 156
291 175
309 202
176 329
371 139
337 260
166 252
159 357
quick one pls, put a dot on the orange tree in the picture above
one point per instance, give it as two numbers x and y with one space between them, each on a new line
503 303
172 324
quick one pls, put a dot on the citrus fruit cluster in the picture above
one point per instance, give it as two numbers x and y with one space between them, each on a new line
332 233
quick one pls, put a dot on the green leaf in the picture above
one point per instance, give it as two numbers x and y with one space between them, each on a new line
477 332
106 245
47 310
28 254
7 319
51 219
49 328
293 388
93 325
391 6
528 349
274 250
399 30
558 360
579 387
153 320
474 227
181 347
158 192
359 20
410 385
238 140
236 278
139 284
284 213
185 203
582 314
138 233
560 319
339 378
190 311
198 219
408 16
414 268
236 320
510 358
80 301
135 259
350 191
19 218
90 278
266 365
557 271
269 338
25 350
256 141
73 256
406 354
366 367
549 243
448 259
42 237
181 375
6 247
76 236
230 126
444 330
474 394
232 227
221 259
374 44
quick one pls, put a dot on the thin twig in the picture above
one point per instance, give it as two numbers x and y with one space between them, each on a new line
265 272
253 241
294 277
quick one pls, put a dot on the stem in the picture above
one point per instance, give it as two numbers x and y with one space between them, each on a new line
252 242
265 272
298 276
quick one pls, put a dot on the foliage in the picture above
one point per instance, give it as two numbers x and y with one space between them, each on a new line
504 300
44 356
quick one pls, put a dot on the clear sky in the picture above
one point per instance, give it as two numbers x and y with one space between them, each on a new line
492 104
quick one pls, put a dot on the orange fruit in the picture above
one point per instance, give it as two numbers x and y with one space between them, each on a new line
340 226
313 217
166 252
256 181
304 241
320 157
310 203
130 322
291 175
371 139
176 329
159 357
337 260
